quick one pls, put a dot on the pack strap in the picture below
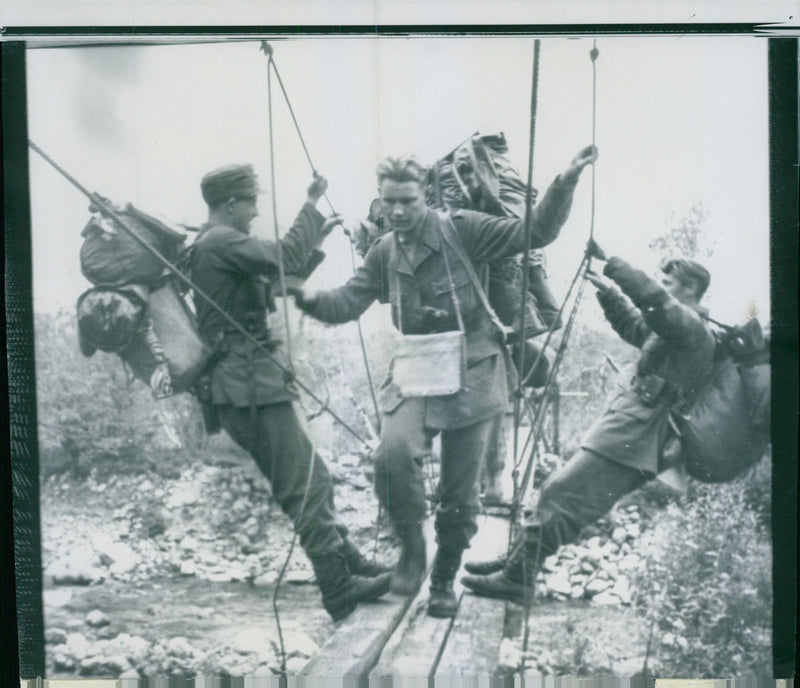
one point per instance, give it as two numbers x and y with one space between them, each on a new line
452 239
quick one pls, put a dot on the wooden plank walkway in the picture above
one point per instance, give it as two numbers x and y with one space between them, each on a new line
394 640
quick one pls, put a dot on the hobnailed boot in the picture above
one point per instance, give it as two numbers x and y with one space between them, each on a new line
443 602
513 583
410 570
484 568
358 564
342 591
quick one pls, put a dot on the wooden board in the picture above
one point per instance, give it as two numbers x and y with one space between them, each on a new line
473 644
419 641
359 639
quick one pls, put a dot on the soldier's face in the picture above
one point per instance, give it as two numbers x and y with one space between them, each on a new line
685 293
403 205
241 212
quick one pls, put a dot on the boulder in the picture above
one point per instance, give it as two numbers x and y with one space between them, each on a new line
180 647
55 636
80 566
97 619
188 567
558 582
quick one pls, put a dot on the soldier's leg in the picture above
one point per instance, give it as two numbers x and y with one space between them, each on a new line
303 487
400 486
285 456
463 454
494 463
578 494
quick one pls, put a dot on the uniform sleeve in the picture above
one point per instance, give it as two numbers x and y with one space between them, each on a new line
664 314
488 237
624 317
349 301
249 254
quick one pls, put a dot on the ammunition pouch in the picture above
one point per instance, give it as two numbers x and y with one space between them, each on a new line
654 389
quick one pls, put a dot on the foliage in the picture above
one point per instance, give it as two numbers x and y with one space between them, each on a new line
91 415
685 237
706 584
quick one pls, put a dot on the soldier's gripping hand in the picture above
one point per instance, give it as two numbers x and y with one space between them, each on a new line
586 156
329 224
602 283
304 299
317 188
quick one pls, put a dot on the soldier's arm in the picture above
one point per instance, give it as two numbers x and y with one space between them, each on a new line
626 320
349 301
664 314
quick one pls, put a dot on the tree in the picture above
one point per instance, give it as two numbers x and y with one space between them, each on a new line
685 236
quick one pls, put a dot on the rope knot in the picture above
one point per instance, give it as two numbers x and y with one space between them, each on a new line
593 53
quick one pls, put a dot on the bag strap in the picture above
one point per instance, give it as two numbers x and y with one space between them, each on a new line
452 239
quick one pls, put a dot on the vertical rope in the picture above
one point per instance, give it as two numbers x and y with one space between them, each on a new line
281 272
593 53
526 250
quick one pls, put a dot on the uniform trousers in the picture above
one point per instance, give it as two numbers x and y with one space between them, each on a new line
400 479
283 452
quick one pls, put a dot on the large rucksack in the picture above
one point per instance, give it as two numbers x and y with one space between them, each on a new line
726 429
136 309
477 175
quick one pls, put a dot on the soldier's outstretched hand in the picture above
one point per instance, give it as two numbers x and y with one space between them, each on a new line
317 188
586 156
602 283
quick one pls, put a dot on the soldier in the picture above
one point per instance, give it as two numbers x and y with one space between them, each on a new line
420 272
251 394
633 440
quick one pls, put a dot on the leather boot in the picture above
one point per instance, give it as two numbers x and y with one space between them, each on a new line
358 564
513 583
342 591
484 568
410 570
443 602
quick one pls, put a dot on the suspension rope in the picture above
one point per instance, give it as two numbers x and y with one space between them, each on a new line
527 242
288 558
266 48
281 271
105 209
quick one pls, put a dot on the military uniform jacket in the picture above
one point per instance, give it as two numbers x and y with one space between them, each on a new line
677 349
388 276
235 270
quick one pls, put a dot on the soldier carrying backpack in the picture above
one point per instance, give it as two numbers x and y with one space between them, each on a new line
689 404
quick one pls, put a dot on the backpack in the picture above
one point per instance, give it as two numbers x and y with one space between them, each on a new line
726 429
477 176
111 257
145 328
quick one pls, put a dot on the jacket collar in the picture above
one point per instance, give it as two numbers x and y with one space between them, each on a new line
430 241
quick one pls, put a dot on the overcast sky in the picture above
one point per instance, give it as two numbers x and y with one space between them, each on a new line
680 121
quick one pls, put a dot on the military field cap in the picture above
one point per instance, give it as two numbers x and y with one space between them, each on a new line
230 181
687 271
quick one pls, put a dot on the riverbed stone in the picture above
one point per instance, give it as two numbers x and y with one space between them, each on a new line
97 619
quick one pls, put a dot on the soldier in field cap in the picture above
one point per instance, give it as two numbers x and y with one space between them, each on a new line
251 395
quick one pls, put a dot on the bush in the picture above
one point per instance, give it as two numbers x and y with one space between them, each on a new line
705 585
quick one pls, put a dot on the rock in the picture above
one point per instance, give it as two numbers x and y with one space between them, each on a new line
55 636
622 589
594 554
611 569
98 665
97 619
236 665
593 542
56 598
587 566
509 656
577 592
550 563
630 562
627 668
106 633
633 530
188 568
619 535
79 567
606 599
180 647
129 674
294 665
266 579
124 559
349 460
610 549
241 507
300 645
74 623
61 659
135 648
254 640
237 572
558 582
189 544
597 585
77 646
